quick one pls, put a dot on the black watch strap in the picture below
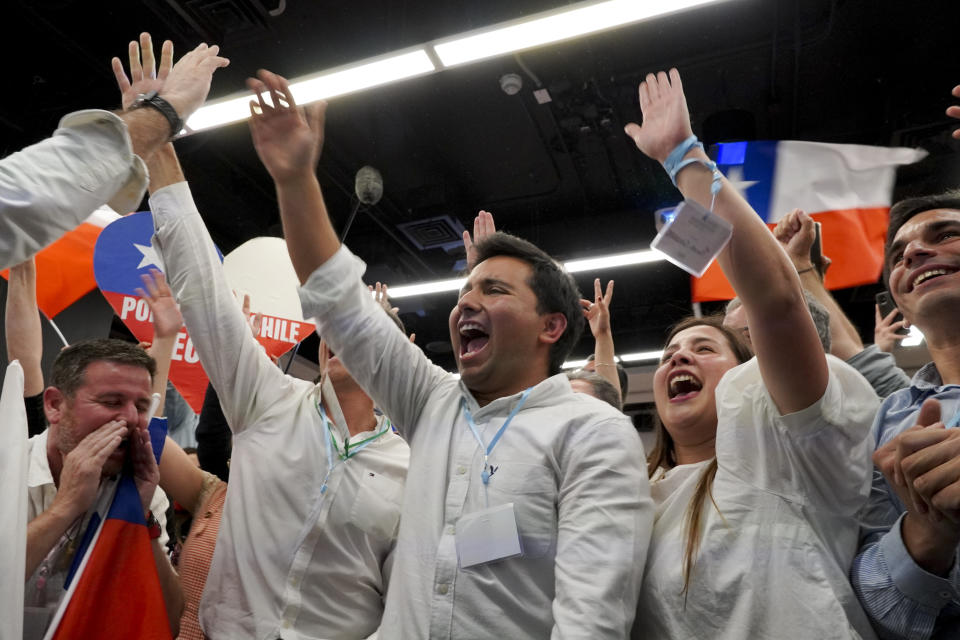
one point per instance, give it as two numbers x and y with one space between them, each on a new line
153 100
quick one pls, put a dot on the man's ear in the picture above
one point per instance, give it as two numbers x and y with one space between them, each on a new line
554 324
54 404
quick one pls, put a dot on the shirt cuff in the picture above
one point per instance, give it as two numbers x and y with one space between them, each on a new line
172 202
910 578
329 282
128 196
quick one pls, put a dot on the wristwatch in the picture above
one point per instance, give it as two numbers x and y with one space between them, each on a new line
153 526
153 100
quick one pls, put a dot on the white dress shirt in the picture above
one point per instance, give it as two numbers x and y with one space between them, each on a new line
773 562
572 466
290 561
50 187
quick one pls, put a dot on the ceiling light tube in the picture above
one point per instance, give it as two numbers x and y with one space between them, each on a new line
553 26
328 84
626 357
573 266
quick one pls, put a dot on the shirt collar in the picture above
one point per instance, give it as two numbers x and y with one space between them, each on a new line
927 377
38 469
544 392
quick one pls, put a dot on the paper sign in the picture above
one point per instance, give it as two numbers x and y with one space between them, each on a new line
694 238
488 535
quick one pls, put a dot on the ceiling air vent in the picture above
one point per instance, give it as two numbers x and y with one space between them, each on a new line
441 232
225 21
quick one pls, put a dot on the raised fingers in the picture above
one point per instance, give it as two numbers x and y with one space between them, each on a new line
166 59
608 296
133 54
123 83
146 56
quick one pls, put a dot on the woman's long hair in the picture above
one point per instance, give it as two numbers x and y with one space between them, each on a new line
664 452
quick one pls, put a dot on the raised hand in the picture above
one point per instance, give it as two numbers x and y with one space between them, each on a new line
597 312
167 320
380 296
885 330
144 76
83 468
288 139
666 121
797 232
188 83
483 226
929 461
954 111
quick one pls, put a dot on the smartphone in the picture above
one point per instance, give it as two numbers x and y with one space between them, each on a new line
886 304
816 250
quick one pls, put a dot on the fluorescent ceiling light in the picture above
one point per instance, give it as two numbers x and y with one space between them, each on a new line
573 266
618 260
627 357
553 26
327 84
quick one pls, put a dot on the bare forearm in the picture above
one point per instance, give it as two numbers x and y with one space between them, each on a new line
148 130
170 586
845 340
24 332
603 356
164 168
162 351
43 533
311 239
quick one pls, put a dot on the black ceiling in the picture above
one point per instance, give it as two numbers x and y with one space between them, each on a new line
560 174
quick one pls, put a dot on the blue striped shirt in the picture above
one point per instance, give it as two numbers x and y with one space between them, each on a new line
902 599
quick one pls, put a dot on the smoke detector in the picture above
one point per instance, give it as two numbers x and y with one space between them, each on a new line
511 83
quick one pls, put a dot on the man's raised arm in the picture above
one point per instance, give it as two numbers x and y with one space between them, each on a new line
93 158
288 141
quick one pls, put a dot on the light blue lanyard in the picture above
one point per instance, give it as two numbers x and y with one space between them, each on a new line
347 452
485 474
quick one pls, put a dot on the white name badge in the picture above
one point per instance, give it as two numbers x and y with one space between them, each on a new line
488 535
694 238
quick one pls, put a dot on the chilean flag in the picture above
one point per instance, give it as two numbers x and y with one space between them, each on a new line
65 268
113 589
124 251
847 188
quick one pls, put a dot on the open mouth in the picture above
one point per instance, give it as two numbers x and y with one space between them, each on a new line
473 339
683 386
930 274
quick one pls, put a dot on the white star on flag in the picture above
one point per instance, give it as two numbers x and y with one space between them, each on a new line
735 178
150 256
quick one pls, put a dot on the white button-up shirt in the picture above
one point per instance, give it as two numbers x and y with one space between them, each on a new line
49 188
572 466
290 561
773 561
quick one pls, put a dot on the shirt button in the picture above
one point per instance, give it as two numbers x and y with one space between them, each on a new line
451 530
461 470
442 589
286 624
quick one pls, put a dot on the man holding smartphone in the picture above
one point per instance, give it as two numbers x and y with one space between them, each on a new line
906 573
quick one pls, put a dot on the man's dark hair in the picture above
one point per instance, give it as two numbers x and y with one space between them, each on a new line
902 211
72 362
602 389
554 288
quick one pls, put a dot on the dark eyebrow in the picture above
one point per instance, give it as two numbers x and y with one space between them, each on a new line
696 341
486 282
931 229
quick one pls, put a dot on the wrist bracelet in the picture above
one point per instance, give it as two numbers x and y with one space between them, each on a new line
603 364
675 163
802 271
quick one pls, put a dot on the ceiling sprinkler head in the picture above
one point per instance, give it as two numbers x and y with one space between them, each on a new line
511 83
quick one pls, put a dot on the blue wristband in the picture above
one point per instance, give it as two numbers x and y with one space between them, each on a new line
675 163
